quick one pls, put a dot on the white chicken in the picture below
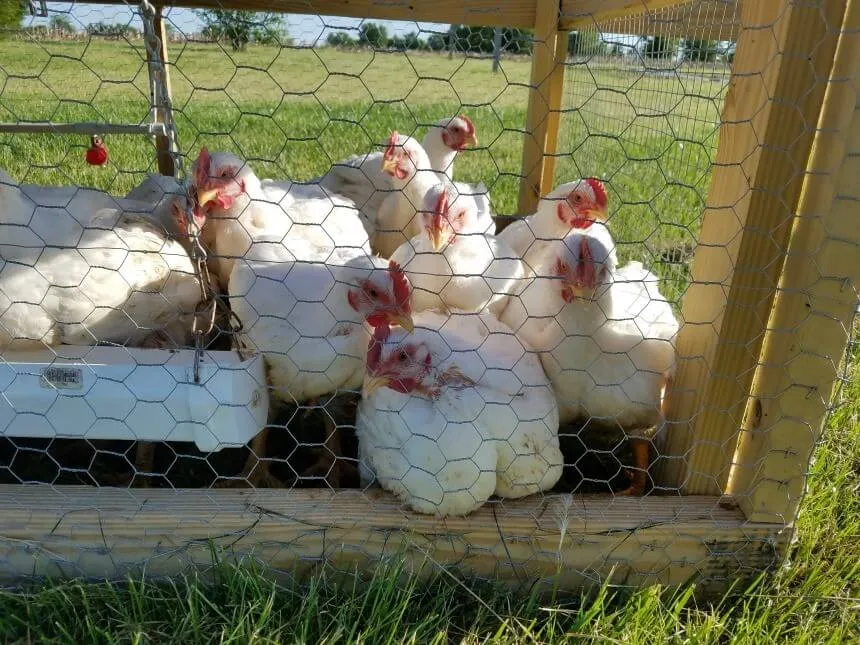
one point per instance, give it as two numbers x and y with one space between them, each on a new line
605 343
573 205
453 264
454 413
308 321
398 219
77 270
361 178
239 219
78 267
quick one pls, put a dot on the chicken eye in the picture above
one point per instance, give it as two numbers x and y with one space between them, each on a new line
225 173
577 198
373 293
402 356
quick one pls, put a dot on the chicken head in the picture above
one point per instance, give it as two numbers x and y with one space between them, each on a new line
459 133
402 156
578 204
445 216
402 366
217 182
383 299
584 263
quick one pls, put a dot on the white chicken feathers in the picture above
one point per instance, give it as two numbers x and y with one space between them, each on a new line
557 214
361 178
603 362
299 316
76 270
472 271
301 224
483 421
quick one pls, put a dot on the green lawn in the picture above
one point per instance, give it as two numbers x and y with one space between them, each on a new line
293 112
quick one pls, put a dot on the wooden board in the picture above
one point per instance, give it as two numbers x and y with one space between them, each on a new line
810 323
784 55
557 540
704 19
541 97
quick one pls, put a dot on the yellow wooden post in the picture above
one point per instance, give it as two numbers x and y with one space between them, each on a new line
540 104
809 325
784 55
556 96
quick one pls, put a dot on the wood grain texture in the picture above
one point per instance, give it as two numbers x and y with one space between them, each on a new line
560 539
705 19
556 98
163 157
540 106
784 55
810 323
492 13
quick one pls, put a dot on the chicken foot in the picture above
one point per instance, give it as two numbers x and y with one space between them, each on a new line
327 464
638 475
256 472
144 462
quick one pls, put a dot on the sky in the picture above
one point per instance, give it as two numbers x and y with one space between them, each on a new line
305 29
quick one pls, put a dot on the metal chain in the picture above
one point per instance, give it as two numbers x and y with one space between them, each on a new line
207 308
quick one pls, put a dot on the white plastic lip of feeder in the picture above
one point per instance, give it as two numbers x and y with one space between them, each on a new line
100 392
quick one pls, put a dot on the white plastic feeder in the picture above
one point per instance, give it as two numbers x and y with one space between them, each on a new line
133 394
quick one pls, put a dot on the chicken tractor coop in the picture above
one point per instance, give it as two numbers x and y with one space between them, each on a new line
725 135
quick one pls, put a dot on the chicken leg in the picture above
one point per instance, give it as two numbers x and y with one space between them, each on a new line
256 472
327 464
144 462
639 474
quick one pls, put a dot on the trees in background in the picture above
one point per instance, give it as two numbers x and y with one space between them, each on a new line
11 14
700 51
242 27
660 47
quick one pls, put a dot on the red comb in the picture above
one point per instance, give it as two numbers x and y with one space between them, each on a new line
470 127
401 285
392 143
374 347
585 267
599 190
204 161
442 203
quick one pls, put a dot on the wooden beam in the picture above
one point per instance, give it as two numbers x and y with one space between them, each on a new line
558 541
583 14
540 106
784 55
491 13
706 20
163 150
556 97
810 323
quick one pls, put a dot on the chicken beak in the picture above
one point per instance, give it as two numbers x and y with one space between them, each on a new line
373 383
206 196
437 239
389 166
404 321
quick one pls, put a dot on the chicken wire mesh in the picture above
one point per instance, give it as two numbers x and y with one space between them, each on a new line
463 411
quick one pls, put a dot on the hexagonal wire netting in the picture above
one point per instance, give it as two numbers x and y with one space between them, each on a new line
535 365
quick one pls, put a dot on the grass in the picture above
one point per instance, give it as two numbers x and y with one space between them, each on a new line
651 137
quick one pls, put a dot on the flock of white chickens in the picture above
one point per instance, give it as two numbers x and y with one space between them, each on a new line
470 347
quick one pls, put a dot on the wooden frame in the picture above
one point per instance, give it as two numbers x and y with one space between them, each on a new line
765 141
560 540
782 207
